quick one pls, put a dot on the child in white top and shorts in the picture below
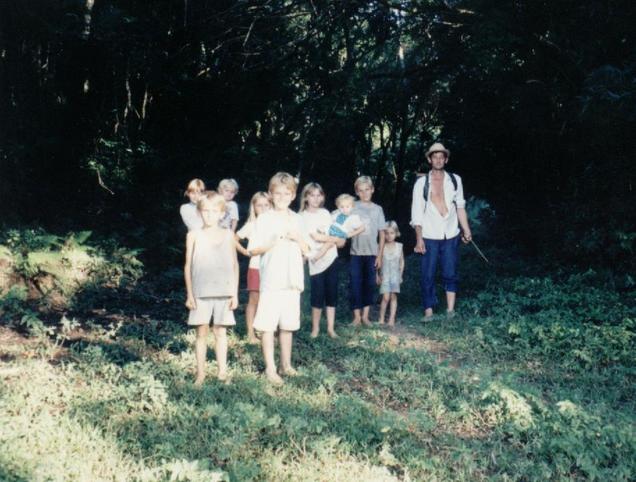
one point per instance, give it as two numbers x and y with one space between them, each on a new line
279 239
211 279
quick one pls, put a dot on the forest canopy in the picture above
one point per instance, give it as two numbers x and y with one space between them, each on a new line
108 108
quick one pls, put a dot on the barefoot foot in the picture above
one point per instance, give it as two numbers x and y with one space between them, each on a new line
288 371
332 334
274 379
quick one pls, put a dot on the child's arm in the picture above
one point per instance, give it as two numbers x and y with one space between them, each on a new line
297 237
233 225
378 258
355 232
325 238
239 246
234 299
187 271
401 263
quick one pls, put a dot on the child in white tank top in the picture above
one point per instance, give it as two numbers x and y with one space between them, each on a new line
211 279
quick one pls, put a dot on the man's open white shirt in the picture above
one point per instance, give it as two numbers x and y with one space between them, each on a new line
425 213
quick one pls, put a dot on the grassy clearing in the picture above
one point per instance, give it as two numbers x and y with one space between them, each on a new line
533 381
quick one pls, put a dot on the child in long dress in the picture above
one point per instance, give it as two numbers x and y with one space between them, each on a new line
211 278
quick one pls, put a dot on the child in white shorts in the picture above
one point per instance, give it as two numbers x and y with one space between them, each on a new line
211 279
278 238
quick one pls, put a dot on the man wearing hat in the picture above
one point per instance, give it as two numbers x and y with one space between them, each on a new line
437 212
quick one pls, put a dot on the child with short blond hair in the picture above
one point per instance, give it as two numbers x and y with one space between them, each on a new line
366 251
211 279
228 188
189 213
391 271
260 203
279 239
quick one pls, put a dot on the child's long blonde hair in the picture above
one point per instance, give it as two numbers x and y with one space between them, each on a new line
257 195
309 187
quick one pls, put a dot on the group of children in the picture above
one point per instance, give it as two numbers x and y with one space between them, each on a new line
279 242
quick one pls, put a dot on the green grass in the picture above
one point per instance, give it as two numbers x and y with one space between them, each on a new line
534 380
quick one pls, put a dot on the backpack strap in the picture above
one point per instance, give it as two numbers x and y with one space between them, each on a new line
427 186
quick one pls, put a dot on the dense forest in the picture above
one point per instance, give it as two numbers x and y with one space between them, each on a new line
110 107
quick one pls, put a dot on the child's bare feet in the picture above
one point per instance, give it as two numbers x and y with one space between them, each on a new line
274 378
289 371
198 381
314 334
223 376
381 321
356 322
366 322
391 324
332 334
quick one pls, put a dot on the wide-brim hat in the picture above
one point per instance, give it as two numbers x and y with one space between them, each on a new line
437 147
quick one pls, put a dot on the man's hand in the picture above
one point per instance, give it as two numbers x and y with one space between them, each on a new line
420 247
467 236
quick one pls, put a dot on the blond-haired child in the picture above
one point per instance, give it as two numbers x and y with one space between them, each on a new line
260 203
211 279
189 212
279 239
228 188
390 274
323 269
366 251
344 224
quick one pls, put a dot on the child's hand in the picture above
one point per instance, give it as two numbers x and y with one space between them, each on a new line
378 262
190 303
233 303
378 279
293 236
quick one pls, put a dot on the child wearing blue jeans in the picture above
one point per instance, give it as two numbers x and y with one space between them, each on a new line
366 251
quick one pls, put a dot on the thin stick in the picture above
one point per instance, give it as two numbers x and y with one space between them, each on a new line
479 251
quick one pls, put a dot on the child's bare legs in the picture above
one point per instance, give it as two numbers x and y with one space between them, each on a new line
250 313
200 352
393 309
361 316
267 343
331 321
220 350
365 316
285 340
383 304
357 319
316 313
450 301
